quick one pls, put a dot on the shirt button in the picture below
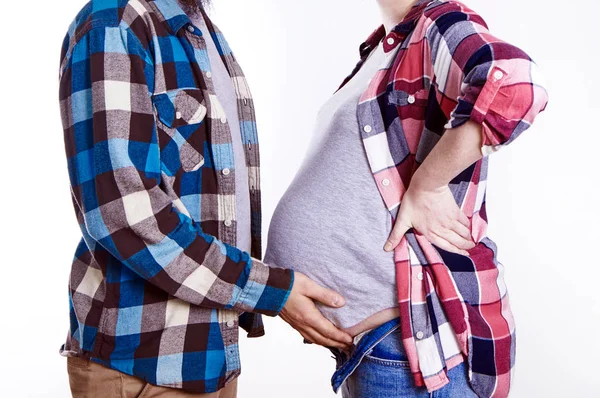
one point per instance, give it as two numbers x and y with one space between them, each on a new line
498 75
420 276
228 223
368 128
208 74
223 119
178 115
411 99
191 28
420 335
385 182
230 324
391 41
226 172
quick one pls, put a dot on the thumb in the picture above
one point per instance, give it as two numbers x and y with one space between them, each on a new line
400 229
323 295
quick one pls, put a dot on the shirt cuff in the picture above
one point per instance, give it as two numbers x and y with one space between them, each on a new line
266 290
490 142
482 100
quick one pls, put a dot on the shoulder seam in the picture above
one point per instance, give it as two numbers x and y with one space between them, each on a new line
89 29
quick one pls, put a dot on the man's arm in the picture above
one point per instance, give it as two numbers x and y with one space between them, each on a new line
114 169
490 94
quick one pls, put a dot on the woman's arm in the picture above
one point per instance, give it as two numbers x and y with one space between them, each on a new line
490 93
428 205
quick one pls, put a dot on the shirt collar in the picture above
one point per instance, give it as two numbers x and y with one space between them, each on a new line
173 14
396 35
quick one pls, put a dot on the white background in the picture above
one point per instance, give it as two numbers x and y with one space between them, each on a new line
543 197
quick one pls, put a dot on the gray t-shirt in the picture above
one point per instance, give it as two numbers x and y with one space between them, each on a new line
332 224
227 97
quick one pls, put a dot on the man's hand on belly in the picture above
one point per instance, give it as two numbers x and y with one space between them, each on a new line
302 314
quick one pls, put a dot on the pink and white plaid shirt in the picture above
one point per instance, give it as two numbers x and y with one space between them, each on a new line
448 69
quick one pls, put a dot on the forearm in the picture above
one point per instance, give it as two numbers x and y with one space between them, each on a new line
428 206
456 150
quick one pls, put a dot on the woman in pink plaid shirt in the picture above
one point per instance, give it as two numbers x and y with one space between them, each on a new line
389 207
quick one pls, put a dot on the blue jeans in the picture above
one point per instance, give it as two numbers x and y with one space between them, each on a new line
378 368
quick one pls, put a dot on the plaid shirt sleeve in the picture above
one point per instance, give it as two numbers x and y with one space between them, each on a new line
115 172
495 83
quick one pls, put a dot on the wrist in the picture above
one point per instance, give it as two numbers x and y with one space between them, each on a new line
267 289
423 180
293 283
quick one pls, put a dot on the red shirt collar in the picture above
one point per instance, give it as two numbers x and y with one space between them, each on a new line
396 35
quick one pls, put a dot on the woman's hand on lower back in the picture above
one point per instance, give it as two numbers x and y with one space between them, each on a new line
433 213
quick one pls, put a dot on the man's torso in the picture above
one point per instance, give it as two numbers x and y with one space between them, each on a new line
119 319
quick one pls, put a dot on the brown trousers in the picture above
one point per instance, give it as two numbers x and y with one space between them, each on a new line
91 380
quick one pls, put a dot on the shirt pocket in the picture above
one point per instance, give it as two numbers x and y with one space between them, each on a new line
410 99
182 132
412 106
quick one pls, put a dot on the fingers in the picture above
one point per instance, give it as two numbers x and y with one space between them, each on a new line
464 220
442 243
322 295
328 330
302 314
400 229
312 335
460 229
315 328
456 240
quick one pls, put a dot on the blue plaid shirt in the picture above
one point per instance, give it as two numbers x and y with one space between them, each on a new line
157 285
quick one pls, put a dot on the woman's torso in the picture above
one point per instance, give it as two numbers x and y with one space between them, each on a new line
332 224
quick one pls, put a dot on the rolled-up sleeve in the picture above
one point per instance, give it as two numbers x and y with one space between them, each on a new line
484 79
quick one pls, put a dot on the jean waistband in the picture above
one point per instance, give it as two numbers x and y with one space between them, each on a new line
347 363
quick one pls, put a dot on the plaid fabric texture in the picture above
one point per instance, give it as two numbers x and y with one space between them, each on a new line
157 284
448 69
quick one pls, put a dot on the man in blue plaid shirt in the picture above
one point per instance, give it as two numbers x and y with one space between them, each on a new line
163 160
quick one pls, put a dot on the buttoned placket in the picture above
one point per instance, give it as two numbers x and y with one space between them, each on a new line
229 332
226 188
392 44
225 176
244 112
248 132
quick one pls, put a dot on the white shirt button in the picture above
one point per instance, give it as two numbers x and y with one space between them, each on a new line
411 99
226 172
385 182
420 335
230 324
228 223
178 115
498 75
223 119
368 128
191 28
391 41
420 276
208 74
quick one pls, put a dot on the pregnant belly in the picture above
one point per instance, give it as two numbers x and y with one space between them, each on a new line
340 257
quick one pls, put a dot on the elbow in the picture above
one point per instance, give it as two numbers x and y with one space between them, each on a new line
540 100
95 226
539 93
